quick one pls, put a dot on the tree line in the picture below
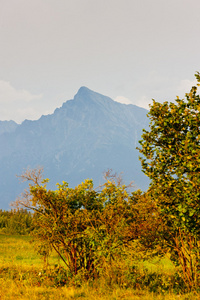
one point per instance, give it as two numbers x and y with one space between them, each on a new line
16 221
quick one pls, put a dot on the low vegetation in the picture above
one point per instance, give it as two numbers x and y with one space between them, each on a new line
113 243
24 276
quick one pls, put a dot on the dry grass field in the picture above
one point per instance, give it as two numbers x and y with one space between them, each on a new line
24 276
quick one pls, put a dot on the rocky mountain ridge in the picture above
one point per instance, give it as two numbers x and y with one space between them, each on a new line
80 140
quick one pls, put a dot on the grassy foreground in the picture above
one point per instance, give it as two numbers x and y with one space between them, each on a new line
23 276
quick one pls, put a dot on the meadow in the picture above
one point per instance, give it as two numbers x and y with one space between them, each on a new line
25 275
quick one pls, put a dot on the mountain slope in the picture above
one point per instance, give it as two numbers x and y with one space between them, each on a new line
80 140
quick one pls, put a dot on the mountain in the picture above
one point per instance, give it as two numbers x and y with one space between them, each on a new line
7 126
84 138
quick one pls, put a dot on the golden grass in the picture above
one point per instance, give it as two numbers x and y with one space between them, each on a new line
19 250
20 268
10 290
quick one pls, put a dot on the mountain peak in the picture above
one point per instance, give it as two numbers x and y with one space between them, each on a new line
84 89
84 92
86 95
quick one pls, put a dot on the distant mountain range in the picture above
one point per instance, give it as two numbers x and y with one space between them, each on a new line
84 138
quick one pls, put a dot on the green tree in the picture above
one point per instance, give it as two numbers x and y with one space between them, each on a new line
171 150
171 159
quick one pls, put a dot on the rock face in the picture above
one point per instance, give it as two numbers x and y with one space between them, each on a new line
84 138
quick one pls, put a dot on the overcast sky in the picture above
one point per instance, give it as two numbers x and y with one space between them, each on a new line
132 50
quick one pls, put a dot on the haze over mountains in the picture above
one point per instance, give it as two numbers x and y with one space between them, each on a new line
84 138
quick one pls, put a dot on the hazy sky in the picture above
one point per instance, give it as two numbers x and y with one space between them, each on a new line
136 49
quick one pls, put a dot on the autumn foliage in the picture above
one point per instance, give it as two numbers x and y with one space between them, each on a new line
88 227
